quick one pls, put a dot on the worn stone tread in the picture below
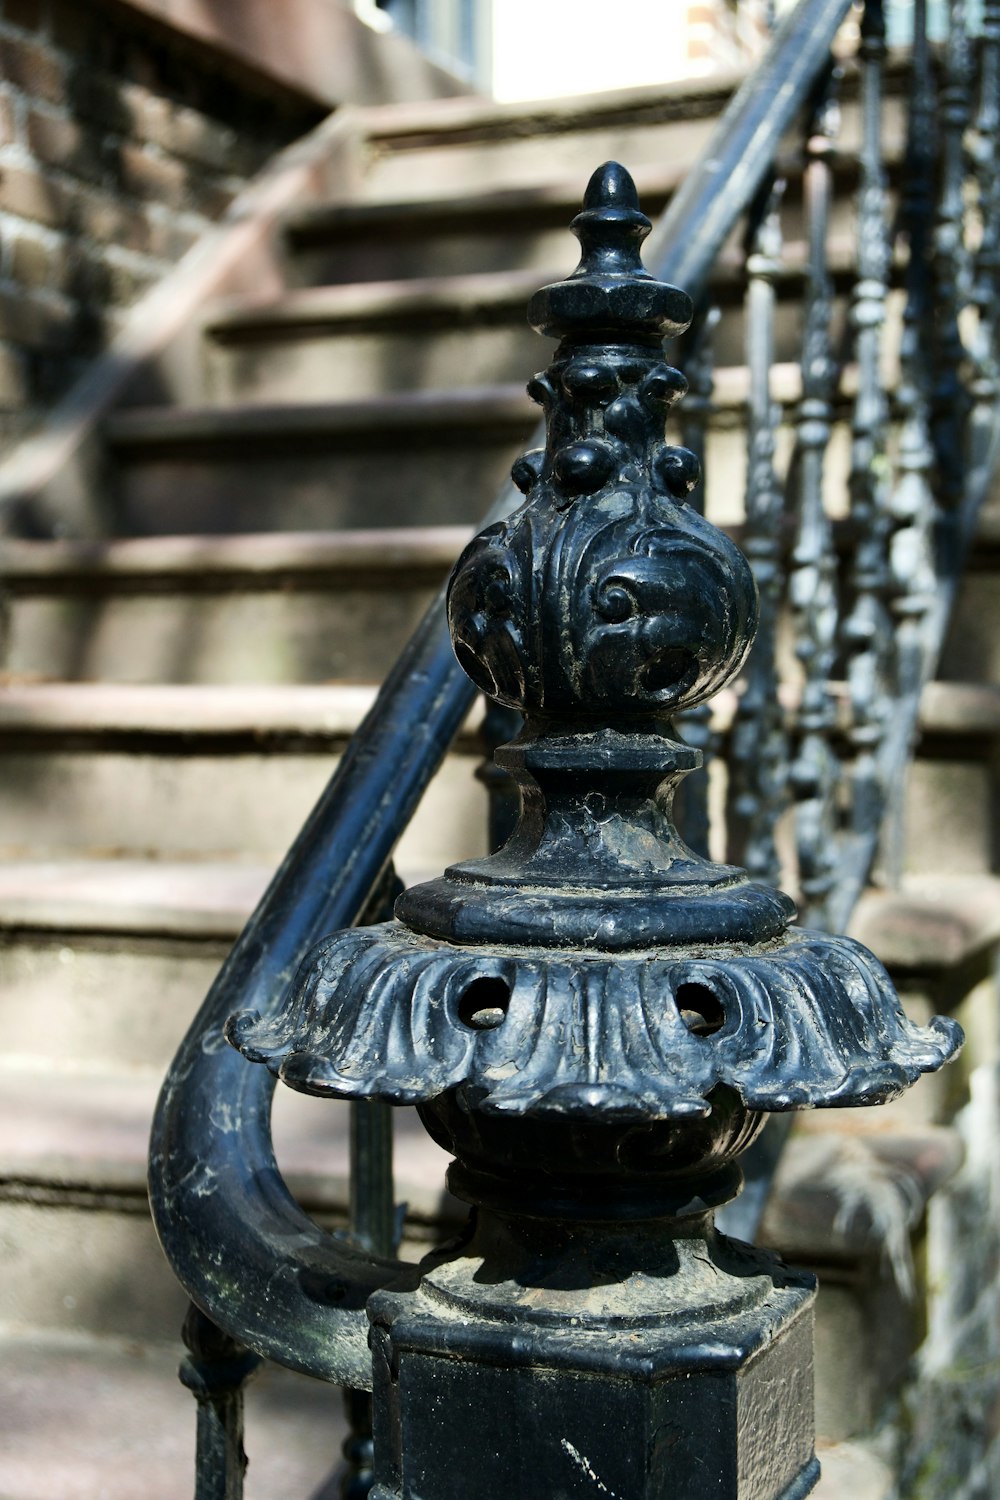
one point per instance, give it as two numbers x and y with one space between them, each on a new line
432 413
92 1418
417 551
82 1136
383 123
257 712
462 298
194 899
933 923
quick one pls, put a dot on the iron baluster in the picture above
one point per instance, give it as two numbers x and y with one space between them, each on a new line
867 633
757 743
812 585
697 352
952 272
216 1370
984 153
912 504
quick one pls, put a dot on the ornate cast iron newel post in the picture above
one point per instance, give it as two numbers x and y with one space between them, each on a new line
595 1020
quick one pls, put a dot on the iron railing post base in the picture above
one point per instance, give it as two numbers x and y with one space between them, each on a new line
580 1359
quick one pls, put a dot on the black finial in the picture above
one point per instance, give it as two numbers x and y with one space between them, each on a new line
610 293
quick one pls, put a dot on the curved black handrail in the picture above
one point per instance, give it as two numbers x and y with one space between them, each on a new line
243 1249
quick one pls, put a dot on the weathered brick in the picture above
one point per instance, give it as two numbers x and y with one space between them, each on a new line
209 196
188 133
31 67
110 220
8 123
59 141
35 322
32 195
99 97
35 263
15 385
152 177
168 240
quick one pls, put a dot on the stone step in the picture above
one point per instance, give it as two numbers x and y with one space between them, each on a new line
485 229
103 963
439 332
342 343
77 1247
423 152
88 768
438 459
91 769
278 607
453 147
290 607
98 1418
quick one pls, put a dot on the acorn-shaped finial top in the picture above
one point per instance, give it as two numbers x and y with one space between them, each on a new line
610 294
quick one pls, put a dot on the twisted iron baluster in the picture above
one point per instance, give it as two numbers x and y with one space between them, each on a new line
912 506
757 756
984 153
697 357
815 771
951 269
867 633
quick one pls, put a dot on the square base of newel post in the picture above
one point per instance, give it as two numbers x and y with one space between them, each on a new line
487 1388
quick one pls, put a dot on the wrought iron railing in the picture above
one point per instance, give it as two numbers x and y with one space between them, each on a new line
866 600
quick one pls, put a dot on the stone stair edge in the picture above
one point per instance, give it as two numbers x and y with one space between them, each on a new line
932 923
331 712
421 299
241 556
428 413
76 1137
382 122
431 416
187 899
325 711
280 556
546 204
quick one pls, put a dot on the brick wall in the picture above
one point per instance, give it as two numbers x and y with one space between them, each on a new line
119 143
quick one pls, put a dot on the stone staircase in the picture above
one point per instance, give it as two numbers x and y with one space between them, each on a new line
281 494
